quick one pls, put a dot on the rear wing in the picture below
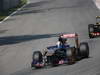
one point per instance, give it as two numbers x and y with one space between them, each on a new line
69 35
75 36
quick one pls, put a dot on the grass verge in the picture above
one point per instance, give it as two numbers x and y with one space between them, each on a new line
6 13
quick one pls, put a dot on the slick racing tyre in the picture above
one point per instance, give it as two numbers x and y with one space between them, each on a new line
84 50
90 30
37 57
71 55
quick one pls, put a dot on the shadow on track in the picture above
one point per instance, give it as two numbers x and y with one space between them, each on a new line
6 40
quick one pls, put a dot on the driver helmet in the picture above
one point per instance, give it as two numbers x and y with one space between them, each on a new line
61 39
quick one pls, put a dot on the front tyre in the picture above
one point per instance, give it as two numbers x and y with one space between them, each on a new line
37 58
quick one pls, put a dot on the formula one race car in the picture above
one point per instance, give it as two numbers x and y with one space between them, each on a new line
54 56
94 30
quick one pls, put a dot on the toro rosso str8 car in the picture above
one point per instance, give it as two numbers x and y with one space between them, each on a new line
54 56
94 30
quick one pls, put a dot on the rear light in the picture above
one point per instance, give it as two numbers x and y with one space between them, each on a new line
95 33
92 33
98 33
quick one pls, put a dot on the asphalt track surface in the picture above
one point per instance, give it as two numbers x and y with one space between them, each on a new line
35 27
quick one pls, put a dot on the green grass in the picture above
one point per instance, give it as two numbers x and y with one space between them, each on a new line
4 14
22 2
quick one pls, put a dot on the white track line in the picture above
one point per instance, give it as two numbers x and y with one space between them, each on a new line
14 13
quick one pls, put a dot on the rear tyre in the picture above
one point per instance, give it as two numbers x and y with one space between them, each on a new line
71 55
84 50
37 57
90 30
